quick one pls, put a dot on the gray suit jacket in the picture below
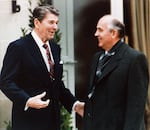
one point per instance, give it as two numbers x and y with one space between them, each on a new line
118 101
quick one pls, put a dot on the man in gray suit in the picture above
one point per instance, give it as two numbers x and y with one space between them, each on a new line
118 82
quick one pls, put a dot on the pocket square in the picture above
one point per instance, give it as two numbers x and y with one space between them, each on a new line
61 62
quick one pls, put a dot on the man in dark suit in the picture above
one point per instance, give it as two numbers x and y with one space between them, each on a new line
118 82
31 81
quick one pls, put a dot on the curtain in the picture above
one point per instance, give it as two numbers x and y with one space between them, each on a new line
140 17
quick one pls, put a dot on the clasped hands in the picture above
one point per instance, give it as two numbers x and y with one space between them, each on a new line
79 108
37 103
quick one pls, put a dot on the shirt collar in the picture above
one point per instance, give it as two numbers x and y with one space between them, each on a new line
37 39
115 47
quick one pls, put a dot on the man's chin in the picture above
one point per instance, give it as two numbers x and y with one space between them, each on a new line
100 45
51 37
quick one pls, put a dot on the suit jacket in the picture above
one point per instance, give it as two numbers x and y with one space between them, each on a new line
118 100
24 74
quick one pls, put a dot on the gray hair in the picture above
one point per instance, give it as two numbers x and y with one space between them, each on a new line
120 27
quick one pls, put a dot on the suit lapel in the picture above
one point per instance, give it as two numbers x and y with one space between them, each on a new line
94 67
36 54
109 67
113 63
54 51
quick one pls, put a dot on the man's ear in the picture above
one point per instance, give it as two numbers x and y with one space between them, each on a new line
36 23
114 33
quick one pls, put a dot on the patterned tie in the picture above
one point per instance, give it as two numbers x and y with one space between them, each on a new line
103 60
49 61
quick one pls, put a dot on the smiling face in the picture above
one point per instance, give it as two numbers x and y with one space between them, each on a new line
46 28
103 34
106 35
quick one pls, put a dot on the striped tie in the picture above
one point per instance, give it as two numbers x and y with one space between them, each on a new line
103 60
49 61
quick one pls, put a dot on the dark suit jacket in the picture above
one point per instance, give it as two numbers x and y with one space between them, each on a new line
24 74
120 93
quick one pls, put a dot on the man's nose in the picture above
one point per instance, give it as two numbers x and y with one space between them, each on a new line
96 34
55 26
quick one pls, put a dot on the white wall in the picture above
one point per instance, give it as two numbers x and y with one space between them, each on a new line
11 23
117 11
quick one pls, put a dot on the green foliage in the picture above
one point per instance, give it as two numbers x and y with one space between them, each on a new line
57 36
8 125
65 119
24 31
30 14
42 2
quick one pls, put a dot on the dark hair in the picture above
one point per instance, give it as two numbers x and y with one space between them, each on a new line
120 27
41 11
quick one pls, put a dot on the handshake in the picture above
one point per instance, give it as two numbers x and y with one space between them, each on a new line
79 108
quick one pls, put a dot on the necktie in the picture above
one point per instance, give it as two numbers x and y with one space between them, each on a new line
49 61
103 60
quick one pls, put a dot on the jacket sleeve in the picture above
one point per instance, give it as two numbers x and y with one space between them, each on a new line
137 89
9 75
67 98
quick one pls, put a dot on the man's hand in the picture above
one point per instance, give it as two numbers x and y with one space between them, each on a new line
37 103
79 108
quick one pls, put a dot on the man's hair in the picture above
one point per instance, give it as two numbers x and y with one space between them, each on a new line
41 11
120 27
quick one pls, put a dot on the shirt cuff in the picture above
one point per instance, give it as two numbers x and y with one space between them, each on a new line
26 106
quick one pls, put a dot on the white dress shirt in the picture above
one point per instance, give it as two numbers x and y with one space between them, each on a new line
42 49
